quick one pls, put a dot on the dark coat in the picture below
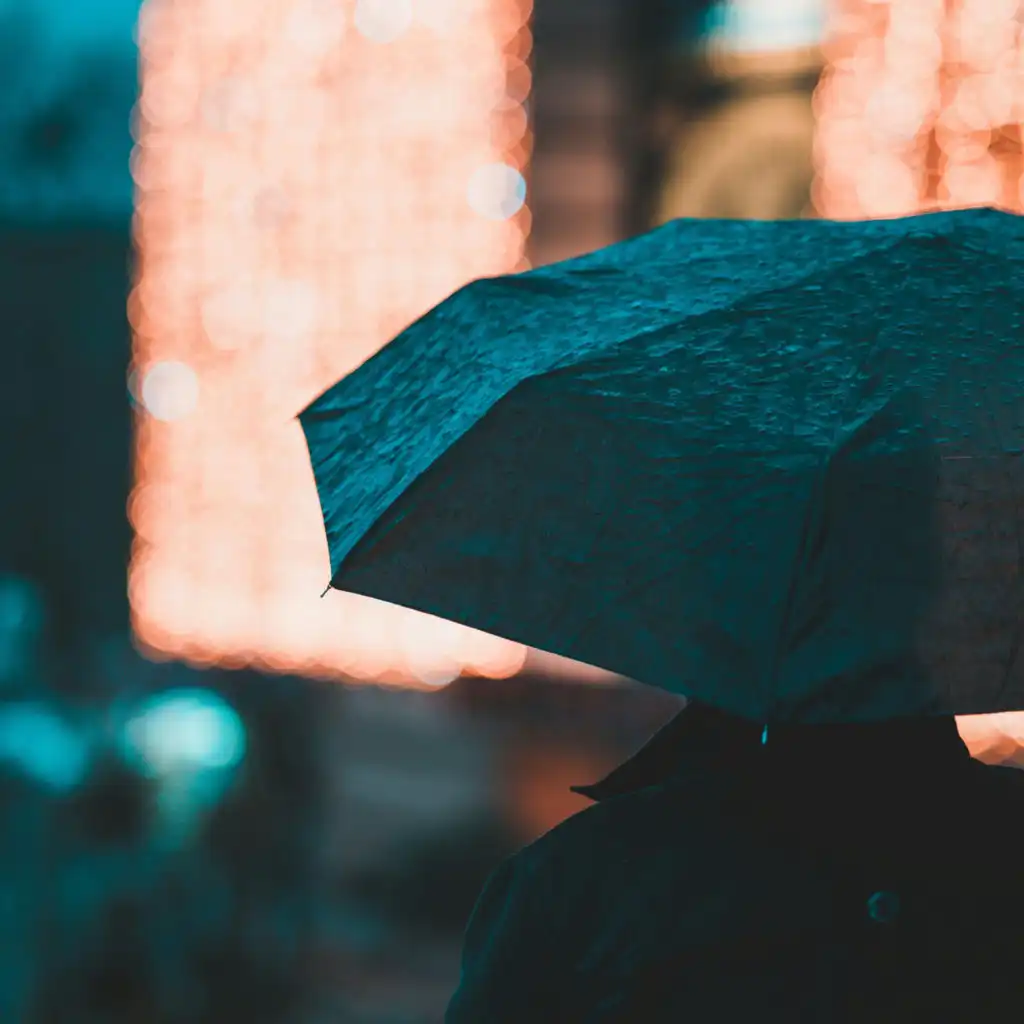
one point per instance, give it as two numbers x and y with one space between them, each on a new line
832 874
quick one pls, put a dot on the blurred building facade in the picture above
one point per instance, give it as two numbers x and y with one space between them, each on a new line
649 111
580 103
738 131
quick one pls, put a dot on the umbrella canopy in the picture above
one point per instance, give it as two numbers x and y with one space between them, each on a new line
773 465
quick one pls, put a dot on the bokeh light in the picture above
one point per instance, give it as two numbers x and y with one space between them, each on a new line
920 108
169 391
315 27
497 191
190 730
758 26
42 746
383 21
311 176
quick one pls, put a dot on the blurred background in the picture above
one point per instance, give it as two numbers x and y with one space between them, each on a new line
226 798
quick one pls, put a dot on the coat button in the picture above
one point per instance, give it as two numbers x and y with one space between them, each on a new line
884 907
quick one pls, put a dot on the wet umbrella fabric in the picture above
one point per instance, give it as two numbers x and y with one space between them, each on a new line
776 466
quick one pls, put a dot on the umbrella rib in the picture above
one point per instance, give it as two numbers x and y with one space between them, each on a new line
812 510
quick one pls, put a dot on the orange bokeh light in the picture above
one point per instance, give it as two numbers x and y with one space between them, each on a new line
913 100
311 176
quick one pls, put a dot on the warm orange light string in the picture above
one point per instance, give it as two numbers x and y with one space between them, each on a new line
920 107
311 176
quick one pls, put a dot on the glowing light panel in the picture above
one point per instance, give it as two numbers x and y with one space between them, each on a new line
311 176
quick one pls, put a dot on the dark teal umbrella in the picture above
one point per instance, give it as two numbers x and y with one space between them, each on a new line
773 465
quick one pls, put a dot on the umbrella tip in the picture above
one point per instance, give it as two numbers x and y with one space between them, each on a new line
326 589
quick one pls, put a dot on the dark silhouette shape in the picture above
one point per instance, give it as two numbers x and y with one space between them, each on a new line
835 874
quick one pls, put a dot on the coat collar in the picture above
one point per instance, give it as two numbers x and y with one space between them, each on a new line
700 736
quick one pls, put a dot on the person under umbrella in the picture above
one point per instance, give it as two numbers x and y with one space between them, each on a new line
776 467
822 873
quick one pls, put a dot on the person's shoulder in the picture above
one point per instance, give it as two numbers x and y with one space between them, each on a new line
676 811
556 870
